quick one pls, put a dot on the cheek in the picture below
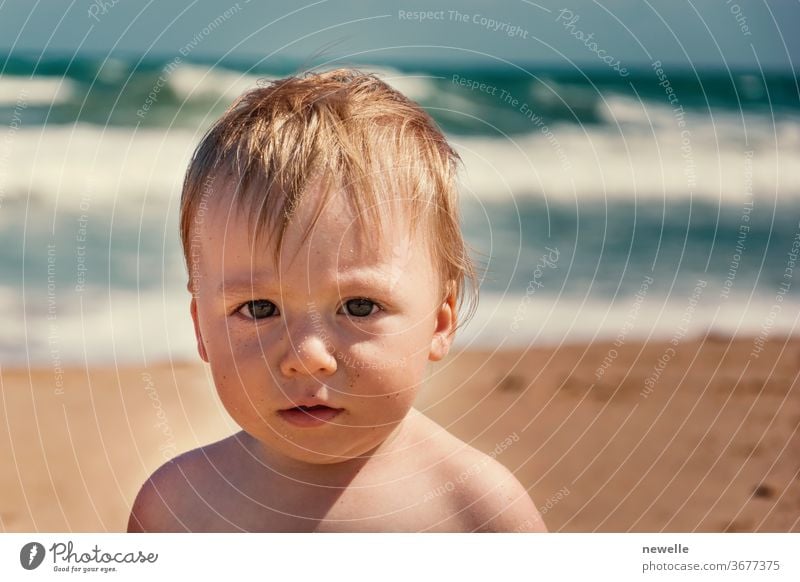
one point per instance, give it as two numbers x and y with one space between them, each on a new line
235 363
392 366
241 390
229 342
398 353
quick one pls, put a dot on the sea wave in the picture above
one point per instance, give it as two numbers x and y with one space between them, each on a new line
569 165
36 91
551 320
64 163
204 82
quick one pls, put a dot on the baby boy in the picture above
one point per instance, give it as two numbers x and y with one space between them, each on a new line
320 224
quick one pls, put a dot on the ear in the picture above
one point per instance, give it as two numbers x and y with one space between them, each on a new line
444 332
201 347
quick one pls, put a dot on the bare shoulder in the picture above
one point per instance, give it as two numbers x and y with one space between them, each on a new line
170 498
485 494
494 499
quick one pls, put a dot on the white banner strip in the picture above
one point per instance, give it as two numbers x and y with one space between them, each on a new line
400 557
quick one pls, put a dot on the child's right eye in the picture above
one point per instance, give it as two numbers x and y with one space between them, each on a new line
258 309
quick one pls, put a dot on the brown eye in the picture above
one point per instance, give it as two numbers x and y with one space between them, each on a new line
360 307
258 309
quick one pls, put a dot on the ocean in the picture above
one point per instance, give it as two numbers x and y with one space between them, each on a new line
664 204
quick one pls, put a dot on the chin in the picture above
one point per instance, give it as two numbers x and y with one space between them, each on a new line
320 443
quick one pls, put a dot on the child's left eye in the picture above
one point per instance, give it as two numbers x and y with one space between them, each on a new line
360 307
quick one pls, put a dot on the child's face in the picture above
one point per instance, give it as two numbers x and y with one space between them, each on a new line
341 326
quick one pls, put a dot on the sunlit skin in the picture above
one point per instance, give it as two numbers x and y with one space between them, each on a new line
328 325
345 324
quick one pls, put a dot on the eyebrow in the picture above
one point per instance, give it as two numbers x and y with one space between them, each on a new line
368 276
244 285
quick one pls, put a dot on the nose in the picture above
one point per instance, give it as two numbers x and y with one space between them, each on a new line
308 356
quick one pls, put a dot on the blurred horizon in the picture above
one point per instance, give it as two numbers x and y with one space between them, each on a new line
27 61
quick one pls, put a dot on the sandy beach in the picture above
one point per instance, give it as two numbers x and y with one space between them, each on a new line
702 436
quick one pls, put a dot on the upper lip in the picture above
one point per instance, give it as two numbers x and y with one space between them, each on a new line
310 402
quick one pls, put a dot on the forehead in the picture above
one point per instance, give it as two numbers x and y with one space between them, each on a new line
324 231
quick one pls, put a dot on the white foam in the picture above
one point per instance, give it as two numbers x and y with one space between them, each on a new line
190 81
196 81
595 162
416 86
128 328
25 91
65 162
549 320
634 164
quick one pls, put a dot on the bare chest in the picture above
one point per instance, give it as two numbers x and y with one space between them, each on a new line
393 506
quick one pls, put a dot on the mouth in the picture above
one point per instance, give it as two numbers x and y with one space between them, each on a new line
309 416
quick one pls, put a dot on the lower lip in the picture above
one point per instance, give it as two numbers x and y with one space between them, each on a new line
309 417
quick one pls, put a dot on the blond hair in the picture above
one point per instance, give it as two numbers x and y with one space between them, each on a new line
345 126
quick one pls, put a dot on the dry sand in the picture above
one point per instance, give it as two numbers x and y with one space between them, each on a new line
715 446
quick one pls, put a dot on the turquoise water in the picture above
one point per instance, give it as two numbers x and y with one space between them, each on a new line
623 183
